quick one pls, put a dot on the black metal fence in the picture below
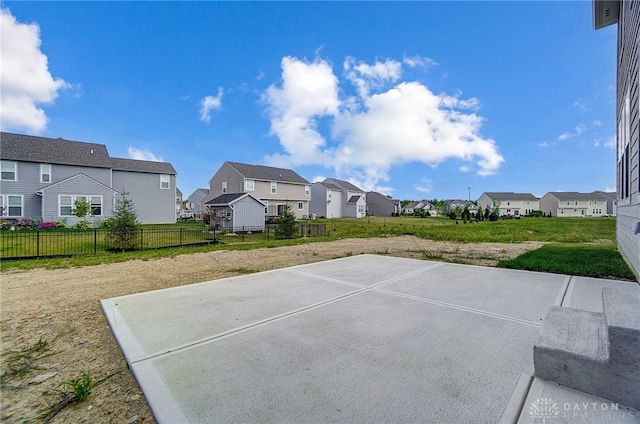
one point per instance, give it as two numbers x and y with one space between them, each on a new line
25 244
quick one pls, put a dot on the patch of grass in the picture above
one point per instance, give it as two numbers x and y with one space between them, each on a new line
18 363
73 390
243 270
431 255
600 261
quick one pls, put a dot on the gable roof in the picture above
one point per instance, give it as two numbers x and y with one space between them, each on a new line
574 195
135 165
267 173
346 184
229 198
509 195
382 196
330 186
73 177
29 148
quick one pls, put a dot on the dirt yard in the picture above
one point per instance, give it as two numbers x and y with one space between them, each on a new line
62 308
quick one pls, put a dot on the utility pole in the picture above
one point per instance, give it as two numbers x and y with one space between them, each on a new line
469 193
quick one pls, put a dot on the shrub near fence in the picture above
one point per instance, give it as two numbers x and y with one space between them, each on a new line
26 244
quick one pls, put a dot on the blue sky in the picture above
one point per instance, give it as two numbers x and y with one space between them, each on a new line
416 100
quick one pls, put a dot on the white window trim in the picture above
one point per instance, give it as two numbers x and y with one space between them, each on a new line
224 187
168 181
300 206
42 165
5 212
101 204
15 170
60 196
274 187
307 190
246 185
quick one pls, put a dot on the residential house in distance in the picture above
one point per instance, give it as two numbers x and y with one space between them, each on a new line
42 178
237 212
351 199
275 187
452 204
612 202
178 200
627 15
380 205
195 201
574 204
411 207
509 203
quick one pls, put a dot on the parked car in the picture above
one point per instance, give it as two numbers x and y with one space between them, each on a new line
184 215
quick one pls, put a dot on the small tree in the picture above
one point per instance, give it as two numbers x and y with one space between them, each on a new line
123 225
81 208
285 226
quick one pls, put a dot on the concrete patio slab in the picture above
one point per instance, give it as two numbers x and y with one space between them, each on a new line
360 339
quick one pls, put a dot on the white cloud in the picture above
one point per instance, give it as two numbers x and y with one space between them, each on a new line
610 142
143 154
578 103
580 128
209 103
544 144
419 61
424 186
597 123
372 133
25 80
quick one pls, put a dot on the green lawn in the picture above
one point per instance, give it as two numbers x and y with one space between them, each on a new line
577 246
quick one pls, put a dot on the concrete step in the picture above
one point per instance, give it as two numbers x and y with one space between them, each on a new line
597 353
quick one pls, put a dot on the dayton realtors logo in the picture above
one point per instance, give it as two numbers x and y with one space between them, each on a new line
544 408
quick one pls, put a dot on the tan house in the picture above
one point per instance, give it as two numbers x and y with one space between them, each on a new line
275 187
509 203
572 204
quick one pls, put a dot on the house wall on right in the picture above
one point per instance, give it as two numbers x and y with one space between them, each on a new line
628 119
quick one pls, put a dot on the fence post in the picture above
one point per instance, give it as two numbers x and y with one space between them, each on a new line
37 243
141 238
181 236
95 241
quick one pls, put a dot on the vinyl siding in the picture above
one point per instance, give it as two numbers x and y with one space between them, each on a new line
247 212
153 204
628 211
78 186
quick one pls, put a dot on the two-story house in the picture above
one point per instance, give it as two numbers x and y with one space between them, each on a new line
194 201
572 204
42 178
411 207
334 198
453 204
380 205
509 203
275 187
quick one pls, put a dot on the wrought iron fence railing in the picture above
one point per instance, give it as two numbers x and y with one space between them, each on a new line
24 244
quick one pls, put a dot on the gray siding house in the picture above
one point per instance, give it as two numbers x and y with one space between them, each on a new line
195 201
326 200
380 205
43 177
627 15
237 212
275 187
352 200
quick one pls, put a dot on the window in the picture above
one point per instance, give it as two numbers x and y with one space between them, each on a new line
576 203
96 205
266 208
561 211
8 171
224 187
45 173
249 185
307 190
2 211
567 203
14 205
274 188
300 206
165 182
66 205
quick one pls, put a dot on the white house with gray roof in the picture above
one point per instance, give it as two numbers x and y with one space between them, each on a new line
194 202
43 177
336 198
574 204
275 187
509 203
